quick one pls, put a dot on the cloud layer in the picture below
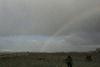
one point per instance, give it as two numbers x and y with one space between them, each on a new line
63 24
46 17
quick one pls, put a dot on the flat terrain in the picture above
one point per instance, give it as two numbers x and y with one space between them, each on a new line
44 60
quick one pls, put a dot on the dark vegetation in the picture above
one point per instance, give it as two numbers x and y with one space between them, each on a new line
29 59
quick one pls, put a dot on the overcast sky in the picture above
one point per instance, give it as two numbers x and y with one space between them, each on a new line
49 25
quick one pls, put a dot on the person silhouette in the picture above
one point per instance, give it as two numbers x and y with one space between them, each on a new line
69 61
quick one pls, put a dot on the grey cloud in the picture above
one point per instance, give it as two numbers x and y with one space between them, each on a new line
41 17
78 20
74 42
84 39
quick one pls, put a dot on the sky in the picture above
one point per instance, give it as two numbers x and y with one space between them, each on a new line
49 25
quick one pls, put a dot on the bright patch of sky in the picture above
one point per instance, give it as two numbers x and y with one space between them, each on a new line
37 43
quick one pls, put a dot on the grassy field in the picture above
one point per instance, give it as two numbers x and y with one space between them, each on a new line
43 60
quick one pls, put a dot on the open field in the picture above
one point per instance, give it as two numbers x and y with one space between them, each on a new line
45 60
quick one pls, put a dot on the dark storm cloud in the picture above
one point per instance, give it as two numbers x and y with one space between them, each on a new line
88 24
84 39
